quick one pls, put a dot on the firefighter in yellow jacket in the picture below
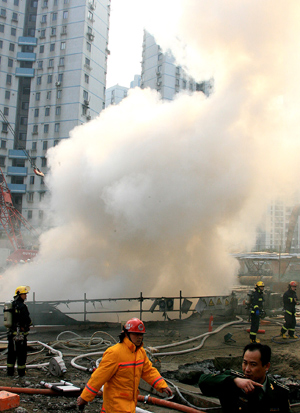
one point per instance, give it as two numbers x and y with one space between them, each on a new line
120 371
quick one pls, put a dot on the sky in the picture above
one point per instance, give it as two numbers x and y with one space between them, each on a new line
153 196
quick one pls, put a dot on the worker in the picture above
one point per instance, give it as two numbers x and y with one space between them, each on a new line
18 332
120 371
251 390
257 300
289 303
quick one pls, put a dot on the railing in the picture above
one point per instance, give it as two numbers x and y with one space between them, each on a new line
141 306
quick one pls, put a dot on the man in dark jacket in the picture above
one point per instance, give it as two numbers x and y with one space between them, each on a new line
289 303
17 333
251 391
257 301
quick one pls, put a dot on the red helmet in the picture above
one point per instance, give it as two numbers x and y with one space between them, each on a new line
134 325
293 284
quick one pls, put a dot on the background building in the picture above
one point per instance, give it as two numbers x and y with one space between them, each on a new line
53 77
115 94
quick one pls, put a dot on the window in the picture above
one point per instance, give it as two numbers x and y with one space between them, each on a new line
22 136
37 96
40 64
88 46
58 94
52 47
47 111
63 46
56 127
7 94
49 95
65 14
45 3
87 62
53 31
42 194
41 214
10 62
3 144
58 110
51 62
32 17
31 32
44 162
8 79
6 111
25 105
34 4
15 16
54 17
31 179
2 160
4 127
86 78
3 12
85 95
43 33
39 80
60 77
44 18
26 90
33 147
64 30
11 47
1 28
45 145
16 2
1 44
29 214
23 120
36 112
56 142
30 197
35 129
90 15
61 61
49 79
42 48
46 128
13 31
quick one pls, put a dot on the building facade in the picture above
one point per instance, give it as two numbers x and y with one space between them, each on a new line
53 77
115 94
160 72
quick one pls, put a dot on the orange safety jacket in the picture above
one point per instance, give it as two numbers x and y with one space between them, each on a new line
120 371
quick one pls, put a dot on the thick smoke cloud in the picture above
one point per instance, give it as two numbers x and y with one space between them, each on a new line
152 196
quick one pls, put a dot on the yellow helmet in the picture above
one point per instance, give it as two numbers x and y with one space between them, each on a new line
22 289
260 284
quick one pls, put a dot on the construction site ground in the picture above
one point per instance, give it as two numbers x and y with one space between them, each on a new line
226 354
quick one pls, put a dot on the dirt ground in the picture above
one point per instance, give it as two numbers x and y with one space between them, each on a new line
285 355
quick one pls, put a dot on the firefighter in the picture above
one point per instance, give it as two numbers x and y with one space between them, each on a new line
257 300
250 391
17 333
289 303
120 371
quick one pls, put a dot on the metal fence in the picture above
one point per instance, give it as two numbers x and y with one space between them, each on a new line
83 309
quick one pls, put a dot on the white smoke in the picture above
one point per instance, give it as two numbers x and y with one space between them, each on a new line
152 196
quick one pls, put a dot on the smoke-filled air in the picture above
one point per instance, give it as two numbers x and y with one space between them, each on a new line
153 196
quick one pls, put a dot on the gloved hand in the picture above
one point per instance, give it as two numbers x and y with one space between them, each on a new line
257 312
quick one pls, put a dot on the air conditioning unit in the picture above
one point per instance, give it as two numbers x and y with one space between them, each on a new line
91 36
92 4
88 117
57 83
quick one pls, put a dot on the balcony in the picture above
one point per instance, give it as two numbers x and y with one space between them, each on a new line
26 57
27 41
16 154
17 188
24 72
16 171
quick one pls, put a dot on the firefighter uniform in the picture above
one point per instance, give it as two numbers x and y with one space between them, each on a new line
257 301
289 304
120 371
273 397
17 337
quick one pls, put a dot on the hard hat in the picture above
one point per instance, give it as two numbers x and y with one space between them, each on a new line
260 284
22 289
293 284
134 325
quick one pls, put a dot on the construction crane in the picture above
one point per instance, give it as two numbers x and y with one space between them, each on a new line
12 222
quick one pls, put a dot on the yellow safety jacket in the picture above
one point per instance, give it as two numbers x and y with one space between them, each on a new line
120 371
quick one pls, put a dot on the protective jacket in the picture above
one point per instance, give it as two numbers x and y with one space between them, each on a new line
290 301
120 371
21 317
257 301
233 400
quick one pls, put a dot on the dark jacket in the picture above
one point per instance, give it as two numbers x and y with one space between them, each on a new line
234 400
257 301
290 301
21 317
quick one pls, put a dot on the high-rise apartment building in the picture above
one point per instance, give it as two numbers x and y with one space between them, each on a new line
53 76
115 94
160 72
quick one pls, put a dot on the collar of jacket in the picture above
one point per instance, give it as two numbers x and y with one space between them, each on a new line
130 345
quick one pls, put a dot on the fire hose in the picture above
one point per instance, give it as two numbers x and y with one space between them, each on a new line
143 399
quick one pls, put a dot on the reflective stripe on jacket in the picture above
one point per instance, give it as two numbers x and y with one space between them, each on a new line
120 372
